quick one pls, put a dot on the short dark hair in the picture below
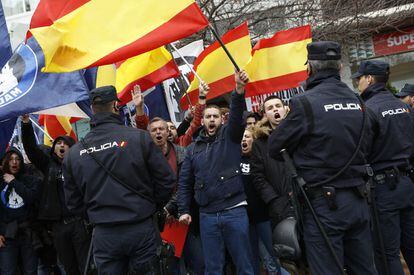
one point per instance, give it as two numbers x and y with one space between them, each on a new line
212 106
256 116
98 107
381 78
268 99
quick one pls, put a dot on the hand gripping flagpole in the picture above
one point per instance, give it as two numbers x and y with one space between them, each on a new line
224 47
191 69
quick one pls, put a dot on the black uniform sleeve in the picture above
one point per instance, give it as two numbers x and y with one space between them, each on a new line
161 174
290 131
185 184
35 155
235 125
73 194
262 186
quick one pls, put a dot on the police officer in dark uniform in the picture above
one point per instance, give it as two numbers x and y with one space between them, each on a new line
390 156
322 132
407 94
120 177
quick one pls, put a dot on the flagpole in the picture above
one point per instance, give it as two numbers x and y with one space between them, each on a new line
224 47
186 80
40 128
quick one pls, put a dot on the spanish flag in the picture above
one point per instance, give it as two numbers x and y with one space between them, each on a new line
215 68
77 34
57 126
278 62
146 70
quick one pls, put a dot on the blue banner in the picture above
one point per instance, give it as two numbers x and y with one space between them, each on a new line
6 126
25 89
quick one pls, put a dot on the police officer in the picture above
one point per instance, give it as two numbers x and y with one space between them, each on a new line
407 94
390 155
322 132
120 177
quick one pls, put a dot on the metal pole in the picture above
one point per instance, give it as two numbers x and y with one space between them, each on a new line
224 47
40 128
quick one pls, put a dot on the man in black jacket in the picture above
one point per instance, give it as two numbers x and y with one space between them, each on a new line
70 236
121 178
322 132
270 177
390 159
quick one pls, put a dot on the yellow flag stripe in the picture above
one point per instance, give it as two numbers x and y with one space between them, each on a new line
82 27
140 66
64 122
277 61
106 75
217 65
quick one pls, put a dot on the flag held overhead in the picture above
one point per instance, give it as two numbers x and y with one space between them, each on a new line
119 29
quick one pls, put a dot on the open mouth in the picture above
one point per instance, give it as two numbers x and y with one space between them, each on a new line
211 127
158 138
277 115
244 145
62 151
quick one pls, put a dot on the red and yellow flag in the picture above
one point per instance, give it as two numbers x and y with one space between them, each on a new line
146 70
215 68
278 62
57 126
76 34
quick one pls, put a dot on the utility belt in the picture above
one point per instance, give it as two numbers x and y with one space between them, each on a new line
329 193
392 176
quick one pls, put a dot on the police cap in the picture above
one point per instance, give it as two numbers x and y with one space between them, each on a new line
324 50
408 89
372 67
103 95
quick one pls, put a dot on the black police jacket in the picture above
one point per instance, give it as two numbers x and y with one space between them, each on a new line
394 128
322 131
132 157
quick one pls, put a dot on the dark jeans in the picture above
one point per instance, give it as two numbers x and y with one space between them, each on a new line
226 229
19 250
72 243
119 248
193 253
348 229
262 231
396 215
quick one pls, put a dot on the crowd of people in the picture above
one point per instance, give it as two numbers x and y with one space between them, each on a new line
104 200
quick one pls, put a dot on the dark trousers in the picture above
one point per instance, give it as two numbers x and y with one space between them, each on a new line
396 216
348 228
118 249
19 250
71 242
226 229
193 253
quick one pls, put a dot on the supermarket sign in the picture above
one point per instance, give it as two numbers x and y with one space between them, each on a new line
394 42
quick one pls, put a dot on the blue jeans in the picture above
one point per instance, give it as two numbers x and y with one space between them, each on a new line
396 217
15 249
226 229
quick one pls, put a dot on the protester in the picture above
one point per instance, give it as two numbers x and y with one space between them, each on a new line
142 119
322 132
407 94
185 124
390 160
70 236
19 195
224 111
252 119
260 228
121 178
211 171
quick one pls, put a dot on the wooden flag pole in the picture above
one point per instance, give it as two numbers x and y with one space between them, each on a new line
224 47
